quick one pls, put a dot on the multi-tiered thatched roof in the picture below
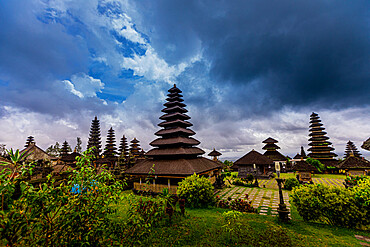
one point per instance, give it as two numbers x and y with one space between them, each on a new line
320 145
175 152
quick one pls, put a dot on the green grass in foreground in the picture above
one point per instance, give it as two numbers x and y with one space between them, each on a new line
204 227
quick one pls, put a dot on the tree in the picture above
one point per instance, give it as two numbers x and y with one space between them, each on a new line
316 163
54 150
78 147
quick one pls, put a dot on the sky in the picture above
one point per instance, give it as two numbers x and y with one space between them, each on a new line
248 70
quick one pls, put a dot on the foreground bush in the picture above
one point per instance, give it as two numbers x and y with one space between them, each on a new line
290 183
333 205
74 213
197 191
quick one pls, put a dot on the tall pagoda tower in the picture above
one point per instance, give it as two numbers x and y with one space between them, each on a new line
94 137
351 149
175 155
123 147
29 140
65 149
110 147
135 148
320 146
271 150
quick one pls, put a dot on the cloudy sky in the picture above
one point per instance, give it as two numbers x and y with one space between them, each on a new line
248 70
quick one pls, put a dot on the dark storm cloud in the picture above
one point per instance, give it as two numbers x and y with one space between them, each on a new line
267 54
34 59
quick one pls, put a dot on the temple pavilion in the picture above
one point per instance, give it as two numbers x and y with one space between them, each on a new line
256 164
320 146
175 155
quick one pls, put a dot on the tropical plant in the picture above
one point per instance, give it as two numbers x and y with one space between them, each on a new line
196 190
77 212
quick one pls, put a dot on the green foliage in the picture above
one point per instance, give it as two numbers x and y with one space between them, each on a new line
316 163
54 150
362 196
228 165
290 183
353 180
237 205
51 215
333 205
232 223
197 191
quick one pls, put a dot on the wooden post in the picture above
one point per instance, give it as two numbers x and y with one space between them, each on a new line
169 185
140 181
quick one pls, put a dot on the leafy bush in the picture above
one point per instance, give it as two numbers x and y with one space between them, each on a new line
52 215
362 196
238 182
333 205
197 191
353 180
290 183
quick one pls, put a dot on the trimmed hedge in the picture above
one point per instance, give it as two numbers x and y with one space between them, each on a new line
197 191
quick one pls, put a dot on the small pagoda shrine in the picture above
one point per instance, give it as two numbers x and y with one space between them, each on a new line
135 148
215 154
305 171
94 137
351 149
320 146
272 153
29 140
110 152
175 155
301 155
123 148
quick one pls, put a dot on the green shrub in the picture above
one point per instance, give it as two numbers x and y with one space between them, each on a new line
74 213
362 196
197 191
238 182
333 205
290 183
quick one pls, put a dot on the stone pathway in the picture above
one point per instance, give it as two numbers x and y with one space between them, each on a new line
265 201
366 240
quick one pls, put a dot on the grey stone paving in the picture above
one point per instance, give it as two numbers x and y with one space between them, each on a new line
265 201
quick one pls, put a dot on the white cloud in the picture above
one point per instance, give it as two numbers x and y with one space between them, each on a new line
83 85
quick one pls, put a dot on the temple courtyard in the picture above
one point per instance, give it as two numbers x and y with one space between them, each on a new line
266 198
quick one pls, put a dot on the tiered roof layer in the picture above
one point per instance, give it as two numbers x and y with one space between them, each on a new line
319 142
175 152
271 150
351 149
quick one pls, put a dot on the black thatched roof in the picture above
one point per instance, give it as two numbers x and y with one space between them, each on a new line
253 157
270 140
304 166
214 153
36 153
275 155
70 158
177 167
174 153
354 162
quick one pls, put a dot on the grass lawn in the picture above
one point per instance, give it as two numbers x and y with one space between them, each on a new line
334 176
206 227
